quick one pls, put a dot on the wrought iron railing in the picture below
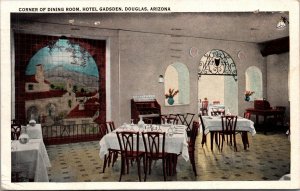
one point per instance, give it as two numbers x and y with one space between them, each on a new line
61 134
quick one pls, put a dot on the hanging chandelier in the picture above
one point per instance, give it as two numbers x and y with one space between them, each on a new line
282 23
217 62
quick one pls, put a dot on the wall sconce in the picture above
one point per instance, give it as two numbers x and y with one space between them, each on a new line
282 23
161 79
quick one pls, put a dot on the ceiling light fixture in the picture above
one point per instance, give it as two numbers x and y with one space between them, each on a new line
282 23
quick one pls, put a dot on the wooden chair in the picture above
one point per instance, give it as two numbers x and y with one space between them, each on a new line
112 155
204 108
203 129
163 118
174 116
192 144
244 134
221 111
170 120
15 131
154 143
110 126
228 130
280 118
189 119
129 146
214 112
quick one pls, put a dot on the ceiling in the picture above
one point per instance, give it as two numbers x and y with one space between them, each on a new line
234 26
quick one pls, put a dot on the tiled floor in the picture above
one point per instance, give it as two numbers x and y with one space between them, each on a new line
268 158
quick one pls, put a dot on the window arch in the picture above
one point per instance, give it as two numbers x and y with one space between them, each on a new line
177 78
254 82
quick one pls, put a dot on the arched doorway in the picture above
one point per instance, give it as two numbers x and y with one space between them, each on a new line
218 80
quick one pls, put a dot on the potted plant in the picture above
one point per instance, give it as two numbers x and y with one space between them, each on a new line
170 96
248 94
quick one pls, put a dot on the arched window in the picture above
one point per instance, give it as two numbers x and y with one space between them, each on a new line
254 82
177 78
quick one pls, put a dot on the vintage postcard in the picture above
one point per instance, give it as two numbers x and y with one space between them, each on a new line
149 95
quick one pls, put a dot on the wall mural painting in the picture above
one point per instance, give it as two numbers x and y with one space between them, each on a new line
62 85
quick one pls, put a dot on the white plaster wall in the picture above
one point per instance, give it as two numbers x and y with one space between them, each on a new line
143 57
277 80
137 59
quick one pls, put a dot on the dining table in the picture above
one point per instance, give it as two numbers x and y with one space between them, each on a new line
213 124
34 131
30 160
175 141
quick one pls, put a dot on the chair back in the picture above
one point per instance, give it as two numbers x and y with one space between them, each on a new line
194 134
110 126
15 131
214 112
154 143
163 118
189 118
281 108
247 115
202 124
229 124
172 120
102 129
128 142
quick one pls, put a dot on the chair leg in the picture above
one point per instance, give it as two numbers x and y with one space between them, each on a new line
216 139
211 141
164 168
122 168
109 158
127 165
139 166
175 163
234 143
105 162
223 138
203 139
145 167
192 158
150 164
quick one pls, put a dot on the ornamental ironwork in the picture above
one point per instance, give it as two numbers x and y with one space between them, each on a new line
217 62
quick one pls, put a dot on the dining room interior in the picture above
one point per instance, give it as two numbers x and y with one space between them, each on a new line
98 92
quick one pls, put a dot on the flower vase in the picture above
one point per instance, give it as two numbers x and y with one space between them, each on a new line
170 100
247 98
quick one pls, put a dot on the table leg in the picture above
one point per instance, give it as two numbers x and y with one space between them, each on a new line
256 119
212 140
265 124
244 139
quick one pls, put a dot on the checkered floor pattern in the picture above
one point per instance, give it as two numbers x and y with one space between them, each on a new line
268 158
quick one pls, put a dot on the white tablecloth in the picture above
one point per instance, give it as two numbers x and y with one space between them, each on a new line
35 132
176 144
33 156
214 123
